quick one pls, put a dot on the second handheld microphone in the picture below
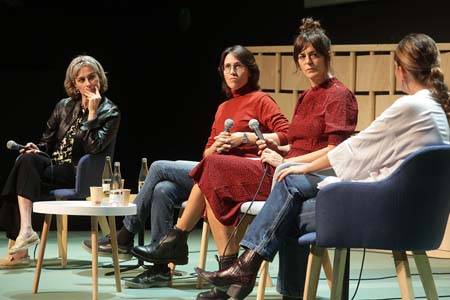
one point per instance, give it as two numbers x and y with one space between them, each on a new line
254 125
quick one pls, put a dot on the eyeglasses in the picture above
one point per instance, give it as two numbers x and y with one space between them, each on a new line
237 67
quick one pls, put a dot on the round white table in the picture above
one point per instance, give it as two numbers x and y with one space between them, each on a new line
82 208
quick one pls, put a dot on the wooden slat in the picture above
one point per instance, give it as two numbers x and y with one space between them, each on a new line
384 101
267 66
286 102
342 68
366 111
290 79
445 67
372 73
392 79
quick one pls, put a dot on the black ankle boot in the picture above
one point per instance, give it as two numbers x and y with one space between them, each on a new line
216 294
172 248
239 279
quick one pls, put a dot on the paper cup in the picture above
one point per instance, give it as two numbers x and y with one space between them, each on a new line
96 195
125 197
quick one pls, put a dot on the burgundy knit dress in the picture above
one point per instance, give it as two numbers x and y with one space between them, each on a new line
324 115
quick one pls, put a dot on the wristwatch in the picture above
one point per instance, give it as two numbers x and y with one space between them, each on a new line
244 138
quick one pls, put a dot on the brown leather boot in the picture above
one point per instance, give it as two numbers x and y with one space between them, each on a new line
239 279
216 294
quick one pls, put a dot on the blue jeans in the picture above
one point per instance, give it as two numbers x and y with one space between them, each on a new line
276 229
167 185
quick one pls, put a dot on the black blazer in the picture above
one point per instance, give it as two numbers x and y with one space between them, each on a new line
93 137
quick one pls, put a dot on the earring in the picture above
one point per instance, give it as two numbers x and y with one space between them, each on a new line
77 92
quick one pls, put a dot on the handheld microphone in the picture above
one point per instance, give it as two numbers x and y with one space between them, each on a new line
228 124
11 145
254 125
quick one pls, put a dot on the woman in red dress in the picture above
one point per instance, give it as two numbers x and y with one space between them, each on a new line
325 115
240 83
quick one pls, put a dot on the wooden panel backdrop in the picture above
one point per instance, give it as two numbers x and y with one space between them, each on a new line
368 70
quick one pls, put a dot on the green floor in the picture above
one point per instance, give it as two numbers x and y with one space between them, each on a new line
74 281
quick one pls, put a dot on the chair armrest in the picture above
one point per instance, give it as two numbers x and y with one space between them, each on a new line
89 173
351 214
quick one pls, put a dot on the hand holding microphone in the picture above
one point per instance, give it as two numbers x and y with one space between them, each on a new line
223 139
227 125
254 125
28 148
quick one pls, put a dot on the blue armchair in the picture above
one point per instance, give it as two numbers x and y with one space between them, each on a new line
407 211
89 173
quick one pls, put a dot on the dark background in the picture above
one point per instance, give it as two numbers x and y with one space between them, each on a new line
161 59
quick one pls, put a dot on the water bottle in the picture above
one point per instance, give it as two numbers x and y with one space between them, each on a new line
107 176
142 173
115 194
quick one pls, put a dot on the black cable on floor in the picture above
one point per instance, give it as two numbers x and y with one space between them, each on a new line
360 273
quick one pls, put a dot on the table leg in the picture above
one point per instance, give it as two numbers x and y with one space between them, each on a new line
112 229
94 233
37 273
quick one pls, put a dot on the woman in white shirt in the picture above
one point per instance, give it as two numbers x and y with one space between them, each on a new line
419 119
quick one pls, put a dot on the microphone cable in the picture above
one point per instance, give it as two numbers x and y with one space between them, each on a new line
233 233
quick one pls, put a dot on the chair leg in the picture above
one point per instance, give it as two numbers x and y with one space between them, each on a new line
203 250
172 266
426 276
315 260
403 274
263 275
62 231
327 268
340 256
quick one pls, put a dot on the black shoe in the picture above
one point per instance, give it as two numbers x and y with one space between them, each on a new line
105 248
152 277
172 248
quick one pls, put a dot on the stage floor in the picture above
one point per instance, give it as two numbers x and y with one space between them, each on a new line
378 280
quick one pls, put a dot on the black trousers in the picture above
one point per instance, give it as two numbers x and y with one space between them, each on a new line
32 176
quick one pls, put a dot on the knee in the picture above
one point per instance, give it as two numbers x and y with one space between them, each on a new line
156 166
164 194
217 161
25 159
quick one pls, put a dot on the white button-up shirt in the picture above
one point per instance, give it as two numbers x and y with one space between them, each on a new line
409 124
